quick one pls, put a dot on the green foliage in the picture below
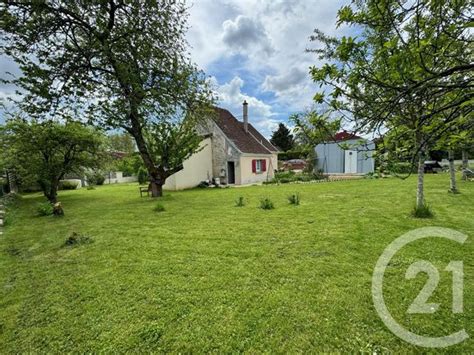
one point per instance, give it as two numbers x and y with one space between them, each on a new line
44 209
44 152
159 208
293 154
95 178
423 211
294 199
266 204
121 142
240 202
127 66
282 138
67 185
76 239
142 175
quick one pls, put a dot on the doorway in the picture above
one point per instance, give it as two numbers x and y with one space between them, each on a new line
230 172
350 162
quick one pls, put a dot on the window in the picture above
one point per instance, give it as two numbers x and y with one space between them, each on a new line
259 166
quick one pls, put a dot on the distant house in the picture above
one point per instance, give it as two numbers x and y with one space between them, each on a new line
347 153
295 165
234 153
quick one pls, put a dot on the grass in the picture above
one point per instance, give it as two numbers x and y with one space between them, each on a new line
208 277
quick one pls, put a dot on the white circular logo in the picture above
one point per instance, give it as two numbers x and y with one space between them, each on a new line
420 305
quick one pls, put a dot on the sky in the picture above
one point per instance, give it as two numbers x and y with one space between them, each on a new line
253 50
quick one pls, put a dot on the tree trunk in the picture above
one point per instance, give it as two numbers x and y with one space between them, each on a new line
420 198
156 189
465 164
452 173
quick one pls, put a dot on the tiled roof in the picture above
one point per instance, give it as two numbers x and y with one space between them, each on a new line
247 142
344 136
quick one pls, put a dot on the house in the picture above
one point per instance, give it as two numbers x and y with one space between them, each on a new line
347 153
233 153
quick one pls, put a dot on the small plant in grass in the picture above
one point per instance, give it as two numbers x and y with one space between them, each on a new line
159 208
45 209
266 204
422 212
240 202
294 199
76 239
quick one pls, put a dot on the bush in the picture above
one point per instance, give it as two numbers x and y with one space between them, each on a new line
266 204
90 187
297 154
68 185
77 239
142 176
45 209
159 208
285 181
95 178
422 212
294 199
403 168
240 202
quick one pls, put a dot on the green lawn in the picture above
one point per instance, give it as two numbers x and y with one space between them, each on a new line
208 276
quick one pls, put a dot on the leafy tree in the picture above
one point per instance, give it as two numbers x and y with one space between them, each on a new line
124 64
172 143
409 68
44 152
282 138
311 129
121 142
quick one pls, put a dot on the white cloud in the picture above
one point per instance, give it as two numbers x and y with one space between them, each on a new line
271 35
231 97
246 35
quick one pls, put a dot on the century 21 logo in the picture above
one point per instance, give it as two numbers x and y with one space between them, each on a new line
420 304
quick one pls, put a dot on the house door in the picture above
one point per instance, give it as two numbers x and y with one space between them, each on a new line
350 162
230 172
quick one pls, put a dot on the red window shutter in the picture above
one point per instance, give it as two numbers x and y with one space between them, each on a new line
264 165
254 166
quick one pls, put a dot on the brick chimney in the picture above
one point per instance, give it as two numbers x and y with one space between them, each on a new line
246 116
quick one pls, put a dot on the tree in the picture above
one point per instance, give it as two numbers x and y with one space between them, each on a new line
311 129
44 152
121 142
282 138
172 144
409 67
124 64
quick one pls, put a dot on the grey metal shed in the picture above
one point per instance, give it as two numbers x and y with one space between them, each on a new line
349 156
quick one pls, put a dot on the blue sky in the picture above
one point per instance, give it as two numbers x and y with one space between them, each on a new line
253 50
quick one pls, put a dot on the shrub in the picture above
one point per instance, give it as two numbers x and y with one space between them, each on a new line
67 185
44 209
294 199
422 212
240 202
285 181
402 168
77 239
90 187
159 208
266 204
95 178
142 176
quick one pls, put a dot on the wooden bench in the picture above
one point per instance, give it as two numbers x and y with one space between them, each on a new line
144 189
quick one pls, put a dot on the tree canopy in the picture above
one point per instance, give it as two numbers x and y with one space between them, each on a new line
408 73
282 138
45 152
121 64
